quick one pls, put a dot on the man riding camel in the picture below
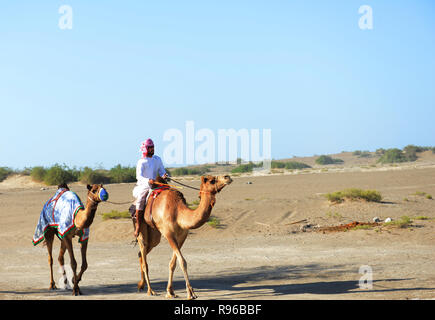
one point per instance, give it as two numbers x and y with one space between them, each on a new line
147 169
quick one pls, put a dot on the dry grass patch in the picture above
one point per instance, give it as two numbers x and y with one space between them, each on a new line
354 194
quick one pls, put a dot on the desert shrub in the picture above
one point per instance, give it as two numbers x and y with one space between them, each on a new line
296 165
380 151
392 156
277 165
114 214
322 160
184 171
361 154
354 194
214 222
248 167
5 172
58 174
38 173
404 222
243 168
90 176
120 174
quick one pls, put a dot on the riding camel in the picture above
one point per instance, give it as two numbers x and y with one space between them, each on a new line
64 216
173 218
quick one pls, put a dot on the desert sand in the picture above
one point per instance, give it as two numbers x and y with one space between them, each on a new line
257 252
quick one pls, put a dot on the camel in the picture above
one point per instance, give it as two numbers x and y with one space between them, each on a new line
82 220
173 218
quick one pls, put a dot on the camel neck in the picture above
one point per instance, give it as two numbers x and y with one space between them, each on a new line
194 219
84 218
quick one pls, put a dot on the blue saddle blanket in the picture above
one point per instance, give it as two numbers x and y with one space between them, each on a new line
59 213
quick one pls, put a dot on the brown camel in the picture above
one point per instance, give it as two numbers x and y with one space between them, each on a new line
173 218
82 220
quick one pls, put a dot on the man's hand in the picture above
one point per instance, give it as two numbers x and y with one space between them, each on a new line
150 182
165 176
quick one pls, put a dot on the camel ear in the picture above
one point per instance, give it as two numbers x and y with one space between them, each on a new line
89 187
203 179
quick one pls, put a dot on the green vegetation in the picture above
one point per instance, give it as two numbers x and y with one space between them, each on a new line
362 154
421 218
114 214
323 160
248 167
214 222
184 171
404 222
5 172
423 194
392 156
354 194
119 174
408 154
58 174
289 165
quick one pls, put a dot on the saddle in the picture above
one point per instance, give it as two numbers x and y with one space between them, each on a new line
149 213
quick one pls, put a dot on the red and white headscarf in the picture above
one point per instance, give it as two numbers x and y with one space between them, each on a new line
144 147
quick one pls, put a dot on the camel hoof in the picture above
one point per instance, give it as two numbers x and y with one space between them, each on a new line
52 287
171 295
151 292
140 287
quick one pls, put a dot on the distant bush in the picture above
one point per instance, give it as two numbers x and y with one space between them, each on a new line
38 173
393 156
354 194
58 174
380 151
322 160
5 172
119 174
361 154
296 165
91 176
248 167
184 171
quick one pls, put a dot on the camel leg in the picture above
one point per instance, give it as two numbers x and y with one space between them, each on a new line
183 265
49 237
62 261
83 249
141 284
172 265
69 247
144 265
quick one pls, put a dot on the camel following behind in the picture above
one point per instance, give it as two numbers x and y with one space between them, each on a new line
173 218
65 216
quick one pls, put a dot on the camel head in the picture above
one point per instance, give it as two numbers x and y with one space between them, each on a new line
97 193
214 184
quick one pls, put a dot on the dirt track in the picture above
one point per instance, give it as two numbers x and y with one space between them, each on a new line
257 253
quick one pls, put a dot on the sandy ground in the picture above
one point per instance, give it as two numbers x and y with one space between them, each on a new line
256 253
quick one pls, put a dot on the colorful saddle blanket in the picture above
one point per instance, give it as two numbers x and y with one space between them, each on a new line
59 213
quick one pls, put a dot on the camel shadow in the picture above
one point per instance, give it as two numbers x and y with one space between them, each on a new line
260 282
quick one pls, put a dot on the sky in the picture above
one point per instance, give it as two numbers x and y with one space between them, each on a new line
131 70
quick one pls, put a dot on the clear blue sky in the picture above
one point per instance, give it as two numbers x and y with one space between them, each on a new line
129 70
